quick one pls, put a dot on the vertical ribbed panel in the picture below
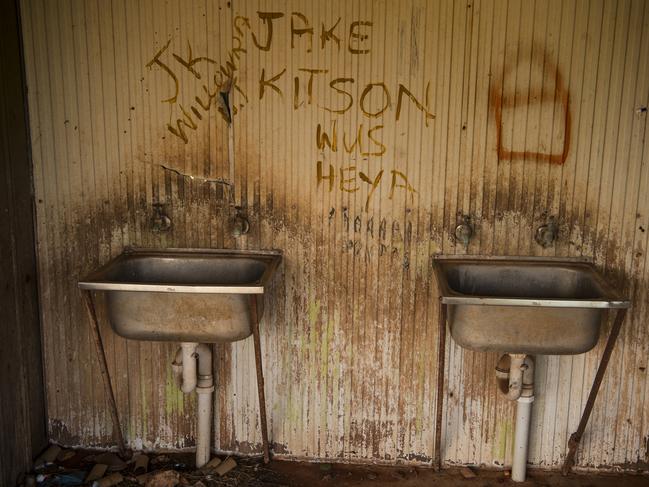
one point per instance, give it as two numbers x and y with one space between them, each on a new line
508 112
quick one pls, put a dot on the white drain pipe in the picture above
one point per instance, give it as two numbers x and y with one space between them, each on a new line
521 438
515 374
184 365
204 389
186 360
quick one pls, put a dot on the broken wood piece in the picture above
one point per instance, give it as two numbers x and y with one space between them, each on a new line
467 473
108 481
97 472
65 455
141 479
225 466
114 462
141 464
47 457
166 478
211 465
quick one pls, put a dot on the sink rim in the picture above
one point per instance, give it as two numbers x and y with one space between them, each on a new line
271 258
611 298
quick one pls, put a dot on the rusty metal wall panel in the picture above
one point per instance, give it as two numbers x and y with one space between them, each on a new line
361 133
22 401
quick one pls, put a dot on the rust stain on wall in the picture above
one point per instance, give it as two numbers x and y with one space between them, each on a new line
552 90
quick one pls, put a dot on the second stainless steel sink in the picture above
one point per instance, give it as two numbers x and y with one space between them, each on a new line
186 295
524 304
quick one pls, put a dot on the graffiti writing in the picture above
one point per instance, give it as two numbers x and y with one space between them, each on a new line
304 94
215 91
302 32
551 97
365 141
367 236
346 179
303 87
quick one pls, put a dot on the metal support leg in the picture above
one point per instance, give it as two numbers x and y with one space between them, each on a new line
575 438
103 367
439 408
260 377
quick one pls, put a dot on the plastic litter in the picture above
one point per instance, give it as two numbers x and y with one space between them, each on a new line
62 479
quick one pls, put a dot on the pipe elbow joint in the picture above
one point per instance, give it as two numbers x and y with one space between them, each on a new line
514 392
528 378
204 356
516 371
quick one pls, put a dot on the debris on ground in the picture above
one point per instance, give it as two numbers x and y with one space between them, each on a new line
70 467
398 475
467 473
225 467
111 480
167 478
141 464
47 457
177 470
64 456
112 460
96 472
61 478
211 465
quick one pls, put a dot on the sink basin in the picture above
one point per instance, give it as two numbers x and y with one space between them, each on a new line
524 304
186 295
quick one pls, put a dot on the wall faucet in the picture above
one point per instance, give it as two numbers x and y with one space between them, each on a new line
464 231
547 234
160 221
240 224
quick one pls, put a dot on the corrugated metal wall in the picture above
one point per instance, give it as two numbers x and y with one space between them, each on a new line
361 133
22 401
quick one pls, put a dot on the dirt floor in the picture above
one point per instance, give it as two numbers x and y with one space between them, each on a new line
74 467
336 475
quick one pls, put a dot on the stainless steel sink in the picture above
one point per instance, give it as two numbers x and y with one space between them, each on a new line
186 295
524 304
